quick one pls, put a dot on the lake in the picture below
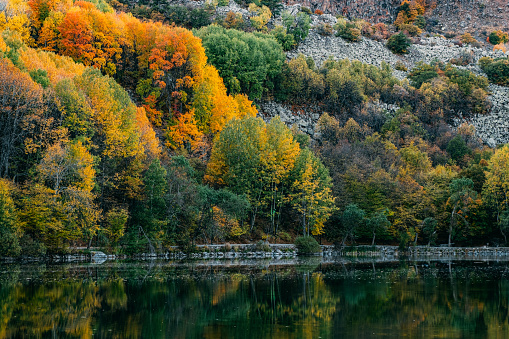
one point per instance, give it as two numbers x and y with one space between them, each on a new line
302 298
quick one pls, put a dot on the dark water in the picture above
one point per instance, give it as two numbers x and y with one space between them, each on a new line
307 300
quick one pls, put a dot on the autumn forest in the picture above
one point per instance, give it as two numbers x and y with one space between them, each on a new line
136 132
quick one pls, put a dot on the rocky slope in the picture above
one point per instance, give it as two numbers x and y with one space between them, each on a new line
492 128
443 15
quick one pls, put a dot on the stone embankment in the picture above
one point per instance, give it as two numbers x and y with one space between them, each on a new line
460 252
422 252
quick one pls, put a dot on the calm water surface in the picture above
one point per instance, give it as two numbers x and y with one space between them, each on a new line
307 299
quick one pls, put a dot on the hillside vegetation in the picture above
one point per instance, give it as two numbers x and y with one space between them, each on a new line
136 135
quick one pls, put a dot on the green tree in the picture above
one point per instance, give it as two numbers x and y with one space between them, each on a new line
249 63
297 26
351 219
377 223
116 220
429 229
457 148
497 70
422 73
462 196
399 43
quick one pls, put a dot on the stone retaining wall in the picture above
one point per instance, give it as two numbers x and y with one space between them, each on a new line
420 252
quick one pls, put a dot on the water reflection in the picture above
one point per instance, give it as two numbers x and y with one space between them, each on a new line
308 300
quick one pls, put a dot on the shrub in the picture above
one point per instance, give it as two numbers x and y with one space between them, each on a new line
261 246
275 6
32 247
324 29
261 17
306 10
187 17
233 20
449 35
400 66
463 59
297 26
349 32
420 22
287 41
399 43
284 236
497 70
412 30
468 39
318 12
497 37
307 245
380 32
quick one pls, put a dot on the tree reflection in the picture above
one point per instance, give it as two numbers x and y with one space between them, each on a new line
124 301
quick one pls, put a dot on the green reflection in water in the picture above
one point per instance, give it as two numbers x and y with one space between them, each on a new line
311 300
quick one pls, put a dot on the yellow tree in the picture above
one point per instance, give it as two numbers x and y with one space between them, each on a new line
14 17
213 108
49 34
281 153
496 187
68 170
312 193
10 231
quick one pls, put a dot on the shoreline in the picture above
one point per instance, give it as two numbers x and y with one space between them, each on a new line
222 252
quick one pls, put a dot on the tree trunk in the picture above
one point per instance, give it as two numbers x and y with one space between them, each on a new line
451 224
373 241
253 219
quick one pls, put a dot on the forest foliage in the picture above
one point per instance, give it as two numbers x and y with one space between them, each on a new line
137 135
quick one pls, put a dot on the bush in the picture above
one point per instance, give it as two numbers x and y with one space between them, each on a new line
307 245
297 26
450 35
399 43
380 32
497 70
287 41
318 12
32 247
410 29
275 6
400 66
420 21
261 246
463 59
468 39
325 29
306 10
497 37
284 236
349 32
187 17
233 20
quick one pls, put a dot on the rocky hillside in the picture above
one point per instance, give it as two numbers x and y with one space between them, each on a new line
444 15
492 128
